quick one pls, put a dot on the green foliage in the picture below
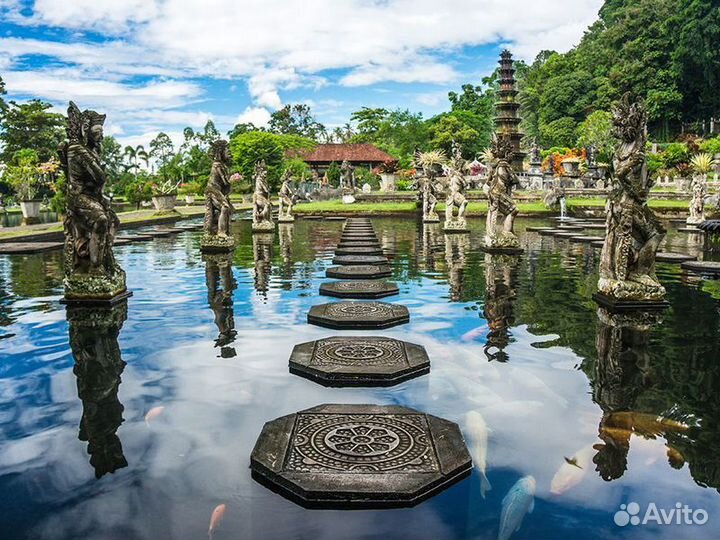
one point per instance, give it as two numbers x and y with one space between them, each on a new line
58 203
399 133
162 149
448 128
297 167
30 125
711 146
249 148
662 50
596 130
560 132
138 191
366 176
112 157
334 174
675 154
654 162
295 120
23 176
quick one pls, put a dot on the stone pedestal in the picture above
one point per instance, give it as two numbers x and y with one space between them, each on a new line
358 315
457 225
263 227
213 243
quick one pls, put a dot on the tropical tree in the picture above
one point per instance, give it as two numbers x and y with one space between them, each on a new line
31 125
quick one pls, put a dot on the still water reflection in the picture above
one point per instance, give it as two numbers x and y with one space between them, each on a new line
171 391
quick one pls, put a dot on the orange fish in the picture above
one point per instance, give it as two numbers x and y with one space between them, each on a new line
215 519
153 413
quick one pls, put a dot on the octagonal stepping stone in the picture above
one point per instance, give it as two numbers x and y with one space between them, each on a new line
360 259
358 315
358 243
359 361
138 237
537 229
335 218
586 239
359 234
672 257
564 234
570 228
703 267
548 232
359 456
597 226
693 230
158 233
598 244
359 251
121 241
359 289
360 271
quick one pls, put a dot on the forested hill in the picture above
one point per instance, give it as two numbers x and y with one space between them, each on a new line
667 51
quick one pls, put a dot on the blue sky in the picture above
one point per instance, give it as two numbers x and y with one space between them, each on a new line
155 65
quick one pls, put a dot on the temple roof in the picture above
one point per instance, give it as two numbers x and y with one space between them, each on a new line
362 153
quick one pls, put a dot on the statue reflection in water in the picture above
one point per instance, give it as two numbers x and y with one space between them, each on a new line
500 294
431 244
285 231
623 372
262 255
456 247
220 285
93 333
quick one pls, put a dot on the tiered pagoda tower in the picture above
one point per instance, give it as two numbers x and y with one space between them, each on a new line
507 119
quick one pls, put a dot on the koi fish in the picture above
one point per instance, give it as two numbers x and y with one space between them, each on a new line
478 433
518 502
215 519
572 471
153 413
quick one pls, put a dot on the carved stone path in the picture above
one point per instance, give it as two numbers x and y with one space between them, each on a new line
359 361
365 289
359 456
358 315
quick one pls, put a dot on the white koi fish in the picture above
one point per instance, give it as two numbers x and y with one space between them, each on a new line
478 434
520 500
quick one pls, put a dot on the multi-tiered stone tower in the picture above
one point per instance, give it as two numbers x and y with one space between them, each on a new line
507 119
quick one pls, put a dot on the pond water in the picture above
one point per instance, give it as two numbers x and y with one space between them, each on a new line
204 345
14 219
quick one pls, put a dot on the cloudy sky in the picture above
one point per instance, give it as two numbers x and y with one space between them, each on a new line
165 64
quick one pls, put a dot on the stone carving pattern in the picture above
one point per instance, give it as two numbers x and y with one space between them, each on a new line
359 352
361 444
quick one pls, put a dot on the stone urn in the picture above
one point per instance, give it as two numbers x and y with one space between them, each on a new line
30 211
387 182
164 203
189 199
571 168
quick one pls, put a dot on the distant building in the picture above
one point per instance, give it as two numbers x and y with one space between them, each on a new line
359 155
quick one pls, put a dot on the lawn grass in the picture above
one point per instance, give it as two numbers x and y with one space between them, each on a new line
339 207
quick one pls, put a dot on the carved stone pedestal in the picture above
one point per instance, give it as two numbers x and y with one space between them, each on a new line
615 305
456 226
263 227
212 243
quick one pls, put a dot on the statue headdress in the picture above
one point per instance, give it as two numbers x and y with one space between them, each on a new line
217 149
629 118
80 122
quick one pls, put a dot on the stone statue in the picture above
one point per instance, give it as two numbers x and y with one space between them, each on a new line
220 286
456 199
500 294
591 153
535 158
551 165
218 208
627 266
287 199
499 234
425 183
697 203
347 176
262 207
91 273
93 333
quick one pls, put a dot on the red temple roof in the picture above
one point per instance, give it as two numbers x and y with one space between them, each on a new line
362 153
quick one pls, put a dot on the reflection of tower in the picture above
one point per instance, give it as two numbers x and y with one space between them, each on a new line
456 246
286 240
430 244
622 372
220 285
93 335
262 254
500 292
507 119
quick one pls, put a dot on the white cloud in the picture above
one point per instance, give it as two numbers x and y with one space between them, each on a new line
258 116
273 45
